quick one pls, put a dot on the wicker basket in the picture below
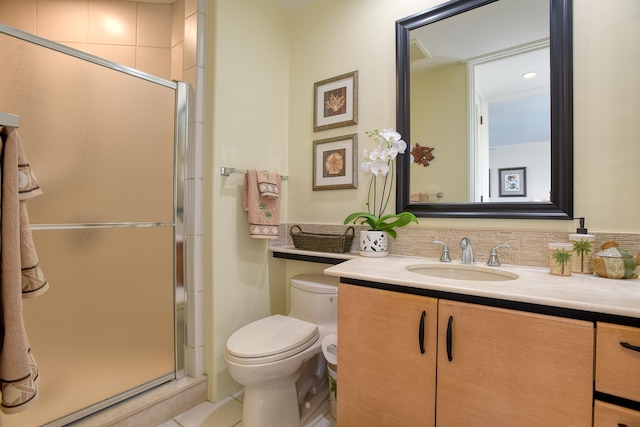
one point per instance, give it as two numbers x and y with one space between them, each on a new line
336 243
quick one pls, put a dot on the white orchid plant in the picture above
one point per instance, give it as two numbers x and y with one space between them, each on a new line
380 162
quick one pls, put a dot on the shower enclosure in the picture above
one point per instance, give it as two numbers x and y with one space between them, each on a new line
105 142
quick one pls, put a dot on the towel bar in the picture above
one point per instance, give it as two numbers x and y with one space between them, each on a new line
226 171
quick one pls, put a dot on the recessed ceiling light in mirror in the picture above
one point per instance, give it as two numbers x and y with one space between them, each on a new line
529 75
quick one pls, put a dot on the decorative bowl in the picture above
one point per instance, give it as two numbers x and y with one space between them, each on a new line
615 263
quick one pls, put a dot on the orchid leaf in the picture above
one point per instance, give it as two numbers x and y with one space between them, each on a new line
381 224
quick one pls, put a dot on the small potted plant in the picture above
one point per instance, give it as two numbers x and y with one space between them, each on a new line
380 162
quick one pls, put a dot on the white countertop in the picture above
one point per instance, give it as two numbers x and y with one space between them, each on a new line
535 285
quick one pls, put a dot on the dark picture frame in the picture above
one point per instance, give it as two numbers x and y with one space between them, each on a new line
512 182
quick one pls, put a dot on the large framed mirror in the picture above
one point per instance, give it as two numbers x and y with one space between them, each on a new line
502 145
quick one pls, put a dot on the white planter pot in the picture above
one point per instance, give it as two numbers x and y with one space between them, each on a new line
374 243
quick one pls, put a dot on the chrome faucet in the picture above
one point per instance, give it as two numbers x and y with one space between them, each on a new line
444 257
493 256
467 251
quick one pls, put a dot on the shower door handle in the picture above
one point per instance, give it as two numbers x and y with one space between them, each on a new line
421 332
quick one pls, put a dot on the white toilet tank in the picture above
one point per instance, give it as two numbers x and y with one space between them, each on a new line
314 299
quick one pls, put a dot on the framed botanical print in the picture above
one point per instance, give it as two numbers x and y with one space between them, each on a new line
334 163
335 102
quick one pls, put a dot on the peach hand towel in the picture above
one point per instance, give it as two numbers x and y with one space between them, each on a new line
268 184
417 197
263 212
18 370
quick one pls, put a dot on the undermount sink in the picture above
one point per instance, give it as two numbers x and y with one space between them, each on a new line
462 272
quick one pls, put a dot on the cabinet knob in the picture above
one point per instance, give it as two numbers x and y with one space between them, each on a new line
421 332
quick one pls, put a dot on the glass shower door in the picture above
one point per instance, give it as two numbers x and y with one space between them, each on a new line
101 143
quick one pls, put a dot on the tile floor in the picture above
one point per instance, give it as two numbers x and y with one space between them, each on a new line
228 413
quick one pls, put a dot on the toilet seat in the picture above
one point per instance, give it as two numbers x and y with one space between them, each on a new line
271 339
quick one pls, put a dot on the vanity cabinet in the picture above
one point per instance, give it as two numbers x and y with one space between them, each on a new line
617 373
512 368
386 358
618 361
610 415
494 366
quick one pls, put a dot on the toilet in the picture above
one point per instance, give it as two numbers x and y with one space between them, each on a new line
279 359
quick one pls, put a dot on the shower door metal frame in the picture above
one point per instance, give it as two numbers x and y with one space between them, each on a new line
181 121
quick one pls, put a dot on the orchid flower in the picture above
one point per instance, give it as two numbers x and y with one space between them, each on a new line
380 163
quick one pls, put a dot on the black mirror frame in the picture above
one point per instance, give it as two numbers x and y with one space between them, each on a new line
561 52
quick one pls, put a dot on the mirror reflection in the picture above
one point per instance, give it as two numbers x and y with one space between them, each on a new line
481 99
476 90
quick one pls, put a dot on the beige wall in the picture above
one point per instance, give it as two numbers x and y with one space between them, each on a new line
443 126
607 108
247 104
361 37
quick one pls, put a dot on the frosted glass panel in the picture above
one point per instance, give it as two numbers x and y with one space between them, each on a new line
99 141
106 323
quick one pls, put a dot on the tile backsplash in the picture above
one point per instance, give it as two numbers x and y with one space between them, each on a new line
527 247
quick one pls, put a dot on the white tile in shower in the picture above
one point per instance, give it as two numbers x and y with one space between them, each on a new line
176 61
125 55
190 39
177 22
190 7
62 20
154 25
154 60
112 22
20 14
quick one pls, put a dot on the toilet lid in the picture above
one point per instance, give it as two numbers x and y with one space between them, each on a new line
271 336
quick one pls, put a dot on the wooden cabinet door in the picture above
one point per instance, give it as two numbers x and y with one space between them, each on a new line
609 415
510 368
618 360
384 379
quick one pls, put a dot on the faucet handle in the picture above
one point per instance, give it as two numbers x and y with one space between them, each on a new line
493 256
444 257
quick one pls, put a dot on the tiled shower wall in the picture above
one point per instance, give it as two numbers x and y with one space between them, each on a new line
145 36
527 247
